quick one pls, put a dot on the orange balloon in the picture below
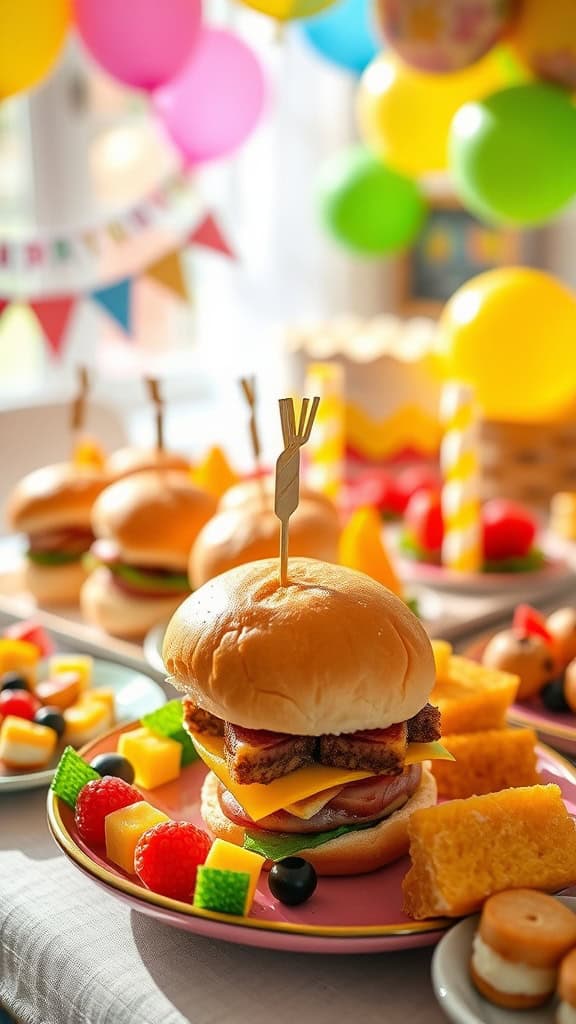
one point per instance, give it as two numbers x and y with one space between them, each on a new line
544 36
404 115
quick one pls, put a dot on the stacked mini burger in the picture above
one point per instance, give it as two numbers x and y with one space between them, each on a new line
309 705
53 507
145 526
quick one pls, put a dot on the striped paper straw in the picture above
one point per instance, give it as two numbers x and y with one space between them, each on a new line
462 544
325 449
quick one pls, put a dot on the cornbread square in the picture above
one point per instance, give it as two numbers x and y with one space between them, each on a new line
465 850
486 762
473 697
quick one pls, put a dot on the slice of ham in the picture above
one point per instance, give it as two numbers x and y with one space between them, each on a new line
67 539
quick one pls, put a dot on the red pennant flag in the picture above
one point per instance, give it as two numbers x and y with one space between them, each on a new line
209 235
54 317
4 303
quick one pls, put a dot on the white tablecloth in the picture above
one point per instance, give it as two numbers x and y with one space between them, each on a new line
71 954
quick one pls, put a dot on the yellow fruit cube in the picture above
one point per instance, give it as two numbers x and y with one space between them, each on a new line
19 656
362 548
155 759
25 744
80 663
85 720
102 696
123 829
442 653
228 857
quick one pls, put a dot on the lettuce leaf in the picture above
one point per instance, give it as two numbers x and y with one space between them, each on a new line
277 845
54 557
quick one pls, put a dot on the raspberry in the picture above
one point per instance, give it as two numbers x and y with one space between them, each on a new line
97 799
168 855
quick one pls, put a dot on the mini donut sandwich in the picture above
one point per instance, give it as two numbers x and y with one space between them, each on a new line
309 705
144 526
522 937
53 506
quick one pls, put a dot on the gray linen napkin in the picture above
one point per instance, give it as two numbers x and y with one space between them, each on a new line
71 954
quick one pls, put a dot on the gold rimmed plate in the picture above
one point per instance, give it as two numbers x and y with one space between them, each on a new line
361 914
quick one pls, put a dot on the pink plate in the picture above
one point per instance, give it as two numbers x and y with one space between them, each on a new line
486 582
362 914
556 728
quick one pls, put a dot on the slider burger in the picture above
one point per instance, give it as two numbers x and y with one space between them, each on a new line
126 461
309 705
248 531
145 526
52 506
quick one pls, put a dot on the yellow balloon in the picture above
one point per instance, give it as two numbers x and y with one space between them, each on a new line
510 333
544 36
287 10
404 115
32 33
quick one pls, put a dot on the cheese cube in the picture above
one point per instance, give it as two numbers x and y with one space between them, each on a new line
155 759
24 744
85 720
105 697
60 692
123 829
228 857
19 656
80 663
442 651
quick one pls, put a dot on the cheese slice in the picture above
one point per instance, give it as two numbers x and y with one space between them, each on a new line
306 809
261 800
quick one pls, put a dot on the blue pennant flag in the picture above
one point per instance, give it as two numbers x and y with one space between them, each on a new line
116 300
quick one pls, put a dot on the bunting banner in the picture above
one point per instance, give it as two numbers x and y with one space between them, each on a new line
169 273
54 317
116 301
210 236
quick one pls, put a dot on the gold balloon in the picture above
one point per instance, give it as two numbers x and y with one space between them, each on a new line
32 33
510 333
287 10
404 115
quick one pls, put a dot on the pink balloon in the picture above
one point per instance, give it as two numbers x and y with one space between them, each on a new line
216 101
143 43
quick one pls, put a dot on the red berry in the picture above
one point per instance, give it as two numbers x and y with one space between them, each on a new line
377 489
168 855
509 529
413 479
424 522
530 622
97 799
20 703
32 633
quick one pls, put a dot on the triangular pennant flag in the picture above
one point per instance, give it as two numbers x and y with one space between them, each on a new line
54 316
4 303
168 272
209 235
116 300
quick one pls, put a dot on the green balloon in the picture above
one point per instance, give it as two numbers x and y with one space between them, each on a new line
513 154
368 207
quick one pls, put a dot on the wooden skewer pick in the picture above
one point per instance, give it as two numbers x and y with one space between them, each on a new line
157 400
248 385
287 493
78 406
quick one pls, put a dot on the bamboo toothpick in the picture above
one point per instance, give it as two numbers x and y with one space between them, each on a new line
78 406
158 402
248 385
287 494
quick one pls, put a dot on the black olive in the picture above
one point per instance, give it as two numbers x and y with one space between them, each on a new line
552 696
52 718
14 681
292 881
114 764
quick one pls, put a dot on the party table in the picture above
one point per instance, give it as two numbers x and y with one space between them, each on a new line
69 952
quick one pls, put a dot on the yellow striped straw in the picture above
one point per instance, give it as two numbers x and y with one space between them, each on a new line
462 545
325 449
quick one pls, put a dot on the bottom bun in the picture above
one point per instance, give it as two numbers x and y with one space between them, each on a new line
54 584
511 1000
121 614
355 853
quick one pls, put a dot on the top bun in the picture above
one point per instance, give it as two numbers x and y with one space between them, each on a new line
126 461
332 652
252 531
153 517
59 495
261 491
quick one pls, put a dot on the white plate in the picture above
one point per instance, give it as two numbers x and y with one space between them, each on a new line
454 989
152 647
135 694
